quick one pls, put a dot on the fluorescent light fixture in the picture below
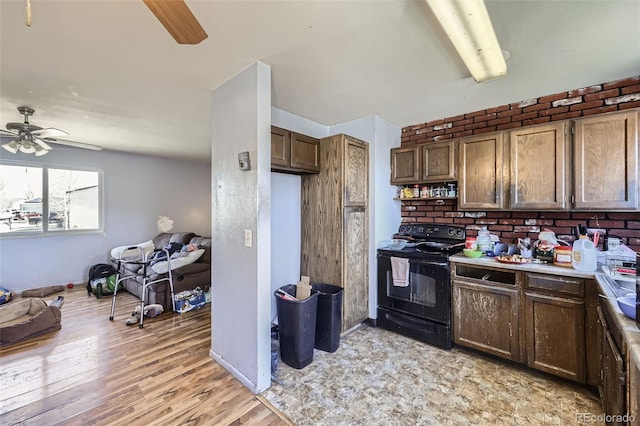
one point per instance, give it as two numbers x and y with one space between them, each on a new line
469 28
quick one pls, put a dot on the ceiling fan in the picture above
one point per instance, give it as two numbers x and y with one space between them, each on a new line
178 19
31 139
174 15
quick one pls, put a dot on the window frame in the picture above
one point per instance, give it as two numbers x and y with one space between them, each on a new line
46 232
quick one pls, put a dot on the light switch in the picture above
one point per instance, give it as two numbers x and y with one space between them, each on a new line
248 238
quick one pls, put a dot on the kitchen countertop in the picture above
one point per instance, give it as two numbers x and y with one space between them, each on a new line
543 268
628 327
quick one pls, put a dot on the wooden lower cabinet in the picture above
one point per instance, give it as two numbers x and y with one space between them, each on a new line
555 337
612 385
547 322
634 387
486 318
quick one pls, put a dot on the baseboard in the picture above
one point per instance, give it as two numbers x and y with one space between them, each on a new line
235 373
372 322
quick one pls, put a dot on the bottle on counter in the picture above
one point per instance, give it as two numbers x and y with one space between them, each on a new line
585 256
416 191
484 240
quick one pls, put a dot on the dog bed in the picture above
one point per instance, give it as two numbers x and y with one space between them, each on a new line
28 317
42 291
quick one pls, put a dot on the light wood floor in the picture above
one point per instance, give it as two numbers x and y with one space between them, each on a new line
99 372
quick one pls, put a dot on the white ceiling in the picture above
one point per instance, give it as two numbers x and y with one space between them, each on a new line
109 74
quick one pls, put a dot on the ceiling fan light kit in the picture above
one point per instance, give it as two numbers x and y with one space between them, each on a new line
468 26
30 139
178 19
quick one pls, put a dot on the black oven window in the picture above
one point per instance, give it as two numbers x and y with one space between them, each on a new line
421 289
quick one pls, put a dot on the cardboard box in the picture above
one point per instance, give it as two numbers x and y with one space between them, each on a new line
186 301
303 289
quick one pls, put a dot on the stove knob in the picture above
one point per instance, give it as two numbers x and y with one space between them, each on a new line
459 232
451 232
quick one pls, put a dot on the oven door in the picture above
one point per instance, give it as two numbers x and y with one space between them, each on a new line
428 294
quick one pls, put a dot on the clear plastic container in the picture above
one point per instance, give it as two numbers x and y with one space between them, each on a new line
484 240
585 255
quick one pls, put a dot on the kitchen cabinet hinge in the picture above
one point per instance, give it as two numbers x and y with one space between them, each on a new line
573 199
573 130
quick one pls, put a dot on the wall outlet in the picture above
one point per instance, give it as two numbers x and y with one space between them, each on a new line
248 238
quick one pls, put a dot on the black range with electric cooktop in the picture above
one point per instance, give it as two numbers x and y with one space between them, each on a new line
414 284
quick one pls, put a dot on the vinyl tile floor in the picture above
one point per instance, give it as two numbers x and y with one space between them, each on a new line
381 378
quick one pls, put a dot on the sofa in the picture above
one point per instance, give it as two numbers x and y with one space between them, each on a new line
187 277
24 318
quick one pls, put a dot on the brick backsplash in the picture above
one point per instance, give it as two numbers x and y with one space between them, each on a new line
511 225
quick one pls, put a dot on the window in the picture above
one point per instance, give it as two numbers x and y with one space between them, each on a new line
49 200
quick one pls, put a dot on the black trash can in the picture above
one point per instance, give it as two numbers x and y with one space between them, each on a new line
329 321
296 327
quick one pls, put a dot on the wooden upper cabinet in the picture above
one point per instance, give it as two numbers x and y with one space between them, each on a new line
481 172
355 173
280 147
438 161
605 154
539 165
430 162
294 153
405 165
305 153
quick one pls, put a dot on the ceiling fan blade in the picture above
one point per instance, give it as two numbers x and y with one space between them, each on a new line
42 143
74 144
178 19
49 132
7 133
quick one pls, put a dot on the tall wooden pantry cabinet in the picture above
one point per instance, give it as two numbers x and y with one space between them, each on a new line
335 235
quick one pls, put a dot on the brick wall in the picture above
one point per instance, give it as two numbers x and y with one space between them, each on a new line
598 99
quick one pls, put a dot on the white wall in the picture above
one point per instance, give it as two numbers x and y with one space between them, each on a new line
295 123
137 190
286 209
241 276
285 232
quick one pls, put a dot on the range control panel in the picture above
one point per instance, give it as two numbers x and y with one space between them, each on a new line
432 231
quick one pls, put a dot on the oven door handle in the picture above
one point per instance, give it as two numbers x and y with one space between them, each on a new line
428 262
